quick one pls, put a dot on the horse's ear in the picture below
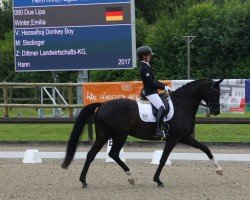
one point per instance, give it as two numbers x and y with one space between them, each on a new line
218 82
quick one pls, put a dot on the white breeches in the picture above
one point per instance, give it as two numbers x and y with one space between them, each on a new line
155 100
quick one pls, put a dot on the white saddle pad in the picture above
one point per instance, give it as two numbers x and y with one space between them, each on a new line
146 113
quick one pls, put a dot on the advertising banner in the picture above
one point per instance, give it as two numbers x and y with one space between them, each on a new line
101 92
235 93
233 96
247 90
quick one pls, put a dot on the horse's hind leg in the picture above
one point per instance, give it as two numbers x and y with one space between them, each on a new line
97 146
114 154
196 144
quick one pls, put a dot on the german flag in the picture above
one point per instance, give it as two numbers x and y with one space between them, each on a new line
114 14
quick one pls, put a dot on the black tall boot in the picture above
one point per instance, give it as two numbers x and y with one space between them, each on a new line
159 122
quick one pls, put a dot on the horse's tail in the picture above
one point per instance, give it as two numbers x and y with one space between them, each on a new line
84 115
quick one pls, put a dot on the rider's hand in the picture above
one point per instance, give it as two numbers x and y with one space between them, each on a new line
168 89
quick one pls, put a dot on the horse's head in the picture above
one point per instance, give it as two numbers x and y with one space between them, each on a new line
212 97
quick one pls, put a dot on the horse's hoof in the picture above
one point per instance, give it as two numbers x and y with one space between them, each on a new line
220 172
131 181
160 185
64 166
84 184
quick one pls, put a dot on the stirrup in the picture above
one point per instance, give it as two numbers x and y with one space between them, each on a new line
159 133
166 128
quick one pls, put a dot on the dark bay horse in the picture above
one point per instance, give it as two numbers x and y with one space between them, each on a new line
119 118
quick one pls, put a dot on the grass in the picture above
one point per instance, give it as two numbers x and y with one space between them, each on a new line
31 112
60 132
223 132
41 132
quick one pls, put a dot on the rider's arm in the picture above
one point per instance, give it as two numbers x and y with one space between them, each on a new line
149 80
162 84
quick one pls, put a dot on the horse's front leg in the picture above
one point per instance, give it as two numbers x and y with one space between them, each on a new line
196 144
171 141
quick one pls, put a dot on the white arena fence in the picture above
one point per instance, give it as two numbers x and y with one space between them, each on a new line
35 156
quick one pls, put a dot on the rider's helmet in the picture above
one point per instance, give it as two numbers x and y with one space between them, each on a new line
144 51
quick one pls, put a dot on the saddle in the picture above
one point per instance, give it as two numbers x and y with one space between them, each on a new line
164 97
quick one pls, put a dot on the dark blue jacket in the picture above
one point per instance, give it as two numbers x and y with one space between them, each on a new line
150 84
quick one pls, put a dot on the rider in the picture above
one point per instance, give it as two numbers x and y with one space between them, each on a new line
151 85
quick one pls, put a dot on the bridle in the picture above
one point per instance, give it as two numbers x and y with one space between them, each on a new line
209 100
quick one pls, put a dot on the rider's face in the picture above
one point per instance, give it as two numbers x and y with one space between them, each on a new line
148 58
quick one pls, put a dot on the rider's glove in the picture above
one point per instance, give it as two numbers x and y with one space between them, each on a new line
168 89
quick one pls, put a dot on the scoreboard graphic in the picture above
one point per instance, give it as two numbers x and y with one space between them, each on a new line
64 35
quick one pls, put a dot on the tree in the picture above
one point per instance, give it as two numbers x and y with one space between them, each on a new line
151 11
236 42
6 22
221 38
165 40
142 29
221 42
7 57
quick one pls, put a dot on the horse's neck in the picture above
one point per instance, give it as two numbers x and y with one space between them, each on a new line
193 94
196 93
